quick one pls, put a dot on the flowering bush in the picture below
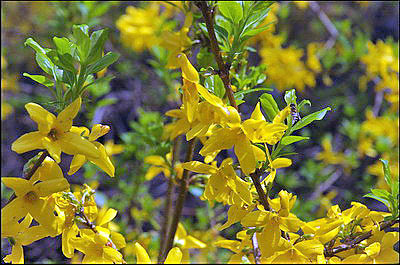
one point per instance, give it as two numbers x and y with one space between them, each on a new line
237 135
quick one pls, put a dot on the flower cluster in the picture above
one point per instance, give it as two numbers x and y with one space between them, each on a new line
45 197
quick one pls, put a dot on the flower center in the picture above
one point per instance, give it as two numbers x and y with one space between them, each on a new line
53 134
31 196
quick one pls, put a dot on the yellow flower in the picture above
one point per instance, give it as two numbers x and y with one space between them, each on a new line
33 197
186 242
160 164
176 42
103 161
223 185
113 149
23 235
54 133
240 135
174 255
139 27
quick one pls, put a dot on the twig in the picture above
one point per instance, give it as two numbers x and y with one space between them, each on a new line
183 189
256 249
352 244
326 185
32 171
223 71
168 201
255 177
378 99
327 23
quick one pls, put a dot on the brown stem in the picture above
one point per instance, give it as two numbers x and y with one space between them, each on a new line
168 201
255 177
32 171
331 252
223 71
183 189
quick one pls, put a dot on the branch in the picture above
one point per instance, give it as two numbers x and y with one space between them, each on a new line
32 171
168 201
183 189
255 177
223 71
256 249
331 252
327 23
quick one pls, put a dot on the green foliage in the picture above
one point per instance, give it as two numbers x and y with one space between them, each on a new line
60 63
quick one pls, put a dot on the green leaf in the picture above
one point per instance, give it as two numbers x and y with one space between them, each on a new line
215 84
319 115
302 103
269 105
231 10
247 91
40 79
385 202
104 62
97 41
221 32
386 171
252 32
45 63
63 45
290 97
381 193
99 80
292 139
34 45
80 33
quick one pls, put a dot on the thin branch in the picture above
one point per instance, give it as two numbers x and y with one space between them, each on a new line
168 201
327 23
223 71
31 172
183 189
352 244
256 249
255 177
325 185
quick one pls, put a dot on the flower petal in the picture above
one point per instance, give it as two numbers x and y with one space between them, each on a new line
53 147
46 188
42 117
27 142
174 256
19 185
98 130
64 119
77 162
188 71
104 161
72 144
141 255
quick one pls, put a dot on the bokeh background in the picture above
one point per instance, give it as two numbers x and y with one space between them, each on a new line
339 54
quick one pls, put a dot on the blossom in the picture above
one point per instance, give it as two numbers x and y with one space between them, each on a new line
103 161
161 164
54 133
173 256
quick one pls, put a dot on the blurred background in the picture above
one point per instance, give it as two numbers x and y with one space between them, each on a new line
339 54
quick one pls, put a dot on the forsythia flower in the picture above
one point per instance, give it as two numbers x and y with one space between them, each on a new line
174 255
54 133
160 165
103 161
139 27
34 197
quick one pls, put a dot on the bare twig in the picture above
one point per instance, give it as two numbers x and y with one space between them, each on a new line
168 201
327 23
326 184
183 189
256 249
